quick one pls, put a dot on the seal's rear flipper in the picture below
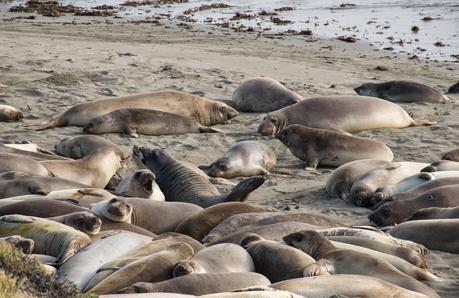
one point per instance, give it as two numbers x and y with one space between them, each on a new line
423 122
245 187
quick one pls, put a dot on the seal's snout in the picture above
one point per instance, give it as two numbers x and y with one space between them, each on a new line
374 218
429 169
88 128
358 89
361 199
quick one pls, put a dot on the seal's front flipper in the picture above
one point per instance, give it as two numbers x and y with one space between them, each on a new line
321 267
245 187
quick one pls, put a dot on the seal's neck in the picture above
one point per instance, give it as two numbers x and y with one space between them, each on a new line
319 248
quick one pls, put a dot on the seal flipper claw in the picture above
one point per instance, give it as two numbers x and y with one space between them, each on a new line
321 267
244 188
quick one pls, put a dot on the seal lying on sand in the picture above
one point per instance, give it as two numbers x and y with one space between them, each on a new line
180 183
11 162
329 148
348 113
141 184
246 158
145 122
263 95
451 155
37 156
442 165
83 221
10 114
81 146
35 185
402 91
435 213
204 111
50 238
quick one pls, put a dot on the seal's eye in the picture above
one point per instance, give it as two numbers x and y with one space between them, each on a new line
274 121
298 237
114 200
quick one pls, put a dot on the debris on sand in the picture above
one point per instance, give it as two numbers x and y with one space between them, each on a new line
279 21
207 7
285 8
347 38
415 29
46 8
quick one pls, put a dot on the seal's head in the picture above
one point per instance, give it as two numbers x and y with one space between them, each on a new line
141 185
23 244
219 168
250 238
186 268
84 221
222 113
382 216
367 89
154 159
309 241
272 124
116 209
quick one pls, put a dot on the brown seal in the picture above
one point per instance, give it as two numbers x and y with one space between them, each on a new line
348 113
202 110
11 162
451 155
442 165
10 114
83 221
82 146
325 147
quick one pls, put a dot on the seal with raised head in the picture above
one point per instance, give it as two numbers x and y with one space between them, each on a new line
201 284
135 122
181 183
83 221
348 113
275 260
10 114
394 211
325 147
141 184
263 95
435 213
94 170
451 155
340 181
442 165
81 146
199 224
342 261
50 238
438 234
220 258
202 110
246 158
402 91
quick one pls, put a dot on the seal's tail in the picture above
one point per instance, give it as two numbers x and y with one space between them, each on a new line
423 122
241 191
205 129
45 125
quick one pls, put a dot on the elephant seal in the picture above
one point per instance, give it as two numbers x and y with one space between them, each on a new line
10 114
201 284
442 165
10 162
340 181
94 170
451 155
348 113
152 268
325 147
404 253
50 238
134 122
246 158
40 208
263 95
202 110
438 234
342 261
141 184
199 224
435 213
37 156
156 217
181 183
402 91
220 258
395 211
81 268
83 221
25 245
454 88
82 146
365 186
275 260
344 285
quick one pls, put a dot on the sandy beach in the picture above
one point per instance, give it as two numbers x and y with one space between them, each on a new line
46 67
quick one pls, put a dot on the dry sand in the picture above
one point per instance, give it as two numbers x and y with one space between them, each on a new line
46 67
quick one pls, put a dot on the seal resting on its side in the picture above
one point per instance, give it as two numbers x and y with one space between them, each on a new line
10 113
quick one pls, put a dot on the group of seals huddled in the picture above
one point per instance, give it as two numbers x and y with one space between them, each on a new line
165 228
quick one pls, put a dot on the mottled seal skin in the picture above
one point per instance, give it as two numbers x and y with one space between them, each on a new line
348 113
438 234
246 158
345 285
23 244
263 95
82 146
181 183
220 258
202 284
50 238
342 261
10 114
141 184
340 181
202 110
135 122
442 165
83 221
452 155
198 225
275 260
435 213
329 148
402 91
394 211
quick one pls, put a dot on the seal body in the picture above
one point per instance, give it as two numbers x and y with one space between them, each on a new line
329 148
10 114
202 110
144 121
81 146
141 184
402 91
40 208
451 155
435 213
348 113
263 95
37 156
442 165
11 162
246 158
